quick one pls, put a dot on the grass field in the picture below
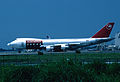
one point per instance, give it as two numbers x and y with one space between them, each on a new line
60 67
64 71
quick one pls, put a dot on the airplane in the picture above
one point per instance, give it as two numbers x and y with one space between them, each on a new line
56 45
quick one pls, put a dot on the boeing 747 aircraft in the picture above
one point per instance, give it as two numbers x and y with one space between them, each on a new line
63 44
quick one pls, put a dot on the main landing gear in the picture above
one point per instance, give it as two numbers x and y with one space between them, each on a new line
78 51
40 53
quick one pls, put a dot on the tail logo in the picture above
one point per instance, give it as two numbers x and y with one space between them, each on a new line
109 27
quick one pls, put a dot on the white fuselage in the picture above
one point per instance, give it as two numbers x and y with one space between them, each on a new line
77 43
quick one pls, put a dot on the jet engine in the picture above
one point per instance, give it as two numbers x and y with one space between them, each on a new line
60 47
49 48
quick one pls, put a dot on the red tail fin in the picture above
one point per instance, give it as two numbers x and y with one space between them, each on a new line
104 32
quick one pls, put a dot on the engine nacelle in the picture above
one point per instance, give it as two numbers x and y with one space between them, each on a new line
57 48
63 46
49 48
60 47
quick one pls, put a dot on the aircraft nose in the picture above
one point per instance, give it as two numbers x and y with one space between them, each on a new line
15 44
8 44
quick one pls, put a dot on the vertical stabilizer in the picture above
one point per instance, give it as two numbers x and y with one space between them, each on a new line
104 32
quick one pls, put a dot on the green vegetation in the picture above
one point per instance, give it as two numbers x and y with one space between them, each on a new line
60 67
66 70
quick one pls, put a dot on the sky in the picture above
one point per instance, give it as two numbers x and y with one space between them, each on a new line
56 18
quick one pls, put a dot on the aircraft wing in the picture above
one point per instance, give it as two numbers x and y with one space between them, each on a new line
62 47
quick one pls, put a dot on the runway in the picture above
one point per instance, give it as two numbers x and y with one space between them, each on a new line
16 53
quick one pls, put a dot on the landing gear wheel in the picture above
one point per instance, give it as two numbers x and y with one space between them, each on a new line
40 53
19 51
78 51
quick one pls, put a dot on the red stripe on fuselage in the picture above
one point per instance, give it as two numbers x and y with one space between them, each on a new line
33 44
